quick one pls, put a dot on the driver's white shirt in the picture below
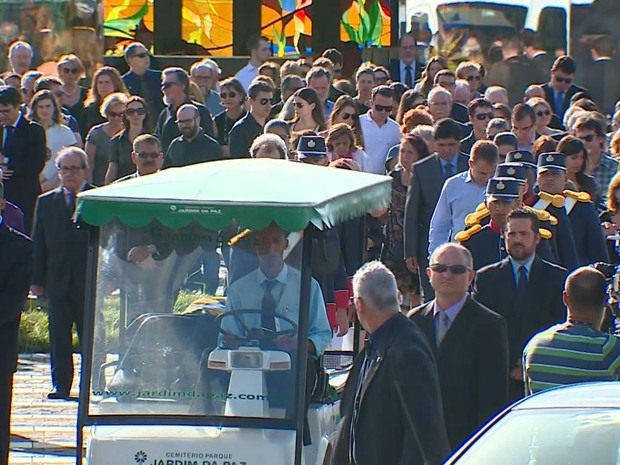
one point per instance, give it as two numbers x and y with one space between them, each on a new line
247 294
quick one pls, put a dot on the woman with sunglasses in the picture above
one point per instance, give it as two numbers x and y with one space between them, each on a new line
105 81
412 149
576 160
434 65
44 109
99 138
136 121
70 70
232 97
309 114
345 111
543 116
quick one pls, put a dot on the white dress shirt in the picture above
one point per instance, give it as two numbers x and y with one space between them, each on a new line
378 140
246 75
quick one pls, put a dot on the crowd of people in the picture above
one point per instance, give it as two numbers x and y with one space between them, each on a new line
500 189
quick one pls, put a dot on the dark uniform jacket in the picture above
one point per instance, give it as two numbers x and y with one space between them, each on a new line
472 361
589 239
400 419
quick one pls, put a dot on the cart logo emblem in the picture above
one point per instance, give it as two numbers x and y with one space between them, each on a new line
140 457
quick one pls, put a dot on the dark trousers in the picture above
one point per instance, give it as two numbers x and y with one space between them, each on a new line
6 391
63 314
425 284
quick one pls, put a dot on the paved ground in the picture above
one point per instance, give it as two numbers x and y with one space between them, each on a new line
42 430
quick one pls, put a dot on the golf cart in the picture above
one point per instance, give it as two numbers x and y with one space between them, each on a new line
171 378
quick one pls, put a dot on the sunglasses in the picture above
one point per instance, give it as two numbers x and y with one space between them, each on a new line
454 269
347 116
149 156
265 101
167 85
483 116
588 138
543 113
135 111
70 70
141 55
562 80
387 108
26 91
114 114
228 95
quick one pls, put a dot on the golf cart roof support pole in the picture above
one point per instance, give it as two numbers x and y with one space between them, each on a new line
88 338
302 354
357 327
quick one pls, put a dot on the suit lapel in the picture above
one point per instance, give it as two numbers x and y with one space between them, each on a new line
456 327
508 278
427 325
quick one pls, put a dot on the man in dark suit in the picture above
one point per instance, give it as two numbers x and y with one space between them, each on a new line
524 289
427 178
406 69
22 154
15 274
601 76
561 88
60 250
142 81
470 344
533 48
391 406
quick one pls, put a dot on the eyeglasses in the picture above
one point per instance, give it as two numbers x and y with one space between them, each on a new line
228 95
205 77
141 55
69 169
472 78
483 116
71 70
386 108
562 80
265 101
588 138
149 156
298 104
347 116
543 113
114 114
454 269
166 85
135 111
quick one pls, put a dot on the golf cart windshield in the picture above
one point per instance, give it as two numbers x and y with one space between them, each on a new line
187 325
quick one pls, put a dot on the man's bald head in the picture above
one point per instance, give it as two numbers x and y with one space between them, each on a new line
585 294
188 120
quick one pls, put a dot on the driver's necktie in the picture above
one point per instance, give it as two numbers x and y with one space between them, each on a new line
268 306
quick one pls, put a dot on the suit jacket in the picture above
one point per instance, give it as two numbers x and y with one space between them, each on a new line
394 69
422 196
572 90
26 150
472 361
60 246
459 114
15 274
601 78
150 90
400 419
496 289
542 63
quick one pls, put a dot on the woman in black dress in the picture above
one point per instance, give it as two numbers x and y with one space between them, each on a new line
233 98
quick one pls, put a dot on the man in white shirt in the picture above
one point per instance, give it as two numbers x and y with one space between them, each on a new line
461 194
260 52
380 131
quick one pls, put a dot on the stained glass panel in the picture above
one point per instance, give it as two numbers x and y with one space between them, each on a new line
288 25
366 22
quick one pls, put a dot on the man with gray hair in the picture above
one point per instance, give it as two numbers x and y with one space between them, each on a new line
20 57
469 341
391 407
203 75
269 146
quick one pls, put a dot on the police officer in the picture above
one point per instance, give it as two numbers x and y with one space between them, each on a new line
589 239
487 243
554 204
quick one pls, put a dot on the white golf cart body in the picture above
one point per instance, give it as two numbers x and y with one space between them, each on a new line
161 384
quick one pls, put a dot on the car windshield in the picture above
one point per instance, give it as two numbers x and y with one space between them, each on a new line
183 325
574 436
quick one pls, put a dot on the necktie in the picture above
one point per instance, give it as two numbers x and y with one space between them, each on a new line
268 306
71 202
408 76
8 132
559 98
521 286
442 327
358 399
448 171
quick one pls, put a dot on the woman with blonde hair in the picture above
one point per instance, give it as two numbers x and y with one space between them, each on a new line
105 81
70 70
340 143
610 218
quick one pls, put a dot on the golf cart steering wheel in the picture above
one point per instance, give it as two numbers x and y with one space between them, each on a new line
260 334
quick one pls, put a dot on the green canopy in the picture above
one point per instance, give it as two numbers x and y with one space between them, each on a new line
252 192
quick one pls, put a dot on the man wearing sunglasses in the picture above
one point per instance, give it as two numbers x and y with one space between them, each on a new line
470 344
470 71
381 132
480 113
525 289
248 128
146 156
141 80
561 88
